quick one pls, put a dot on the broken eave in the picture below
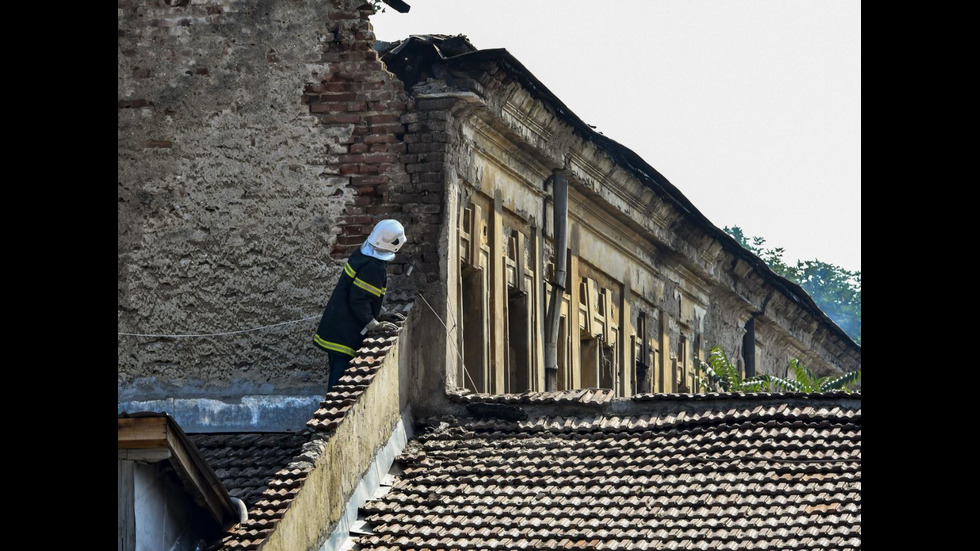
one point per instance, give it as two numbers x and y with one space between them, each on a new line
152 437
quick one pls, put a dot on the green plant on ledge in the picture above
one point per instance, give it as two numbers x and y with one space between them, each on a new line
806 381
720 375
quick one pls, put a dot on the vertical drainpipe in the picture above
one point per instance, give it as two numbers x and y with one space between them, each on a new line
560 188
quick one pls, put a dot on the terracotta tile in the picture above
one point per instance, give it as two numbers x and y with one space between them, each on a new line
652 481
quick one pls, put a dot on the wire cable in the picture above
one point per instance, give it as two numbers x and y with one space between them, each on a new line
462 363
217 334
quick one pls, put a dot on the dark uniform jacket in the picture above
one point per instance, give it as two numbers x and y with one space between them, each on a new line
355 301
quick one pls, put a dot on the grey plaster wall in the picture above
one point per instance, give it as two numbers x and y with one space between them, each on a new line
227 204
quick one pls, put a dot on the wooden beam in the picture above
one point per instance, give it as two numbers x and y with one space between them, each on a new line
158 437
142 432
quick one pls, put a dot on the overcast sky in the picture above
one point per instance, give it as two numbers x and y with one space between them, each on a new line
751 108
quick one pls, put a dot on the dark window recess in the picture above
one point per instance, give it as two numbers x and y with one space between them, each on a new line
641 383
519 350
748 348
475 336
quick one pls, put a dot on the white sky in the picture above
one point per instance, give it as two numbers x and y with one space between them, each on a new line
751 108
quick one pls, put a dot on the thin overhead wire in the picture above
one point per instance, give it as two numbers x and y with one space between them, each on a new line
217 334
461 362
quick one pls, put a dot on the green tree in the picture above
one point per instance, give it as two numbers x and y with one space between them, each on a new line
836 291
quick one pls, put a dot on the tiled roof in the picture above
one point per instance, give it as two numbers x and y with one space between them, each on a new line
245 461
358 376
751 476
602 396
267 470
671 471
584 396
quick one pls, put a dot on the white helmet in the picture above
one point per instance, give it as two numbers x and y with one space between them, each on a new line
386 238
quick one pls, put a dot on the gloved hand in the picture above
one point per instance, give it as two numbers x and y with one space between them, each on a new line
375 326
392 317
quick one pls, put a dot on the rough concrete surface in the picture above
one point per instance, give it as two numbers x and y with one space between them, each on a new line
227 205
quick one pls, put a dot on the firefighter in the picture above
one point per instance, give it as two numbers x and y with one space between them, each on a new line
354 309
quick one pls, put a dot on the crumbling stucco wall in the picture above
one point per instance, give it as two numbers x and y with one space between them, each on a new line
695 292
257 145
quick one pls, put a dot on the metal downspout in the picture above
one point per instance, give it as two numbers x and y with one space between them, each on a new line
560 188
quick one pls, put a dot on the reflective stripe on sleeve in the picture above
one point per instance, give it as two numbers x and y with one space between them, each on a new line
334 347
369 288
360 283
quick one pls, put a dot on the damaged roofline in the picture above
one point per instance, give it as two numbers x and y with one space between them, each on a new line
645 173
398 5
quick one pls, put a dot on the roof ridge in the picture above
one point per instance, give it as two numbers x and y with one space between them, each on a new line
286 483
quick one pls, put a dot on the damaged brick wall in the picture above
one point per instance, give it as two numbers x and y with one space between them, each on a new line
258 143
426 141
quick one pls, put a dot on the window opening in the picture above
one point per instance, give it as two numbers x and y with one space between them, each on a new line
518 341
562 356
641 374
748 348
607 365
475 330
683 384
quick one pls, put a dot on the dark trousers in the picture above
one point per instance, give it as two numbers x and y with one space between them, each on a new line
337 363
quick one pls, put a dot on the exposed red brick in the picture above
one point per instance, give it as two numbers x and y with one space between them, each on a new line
368 180
375 85
383 209
360 219
379 95
380 138
382 119
382 148
331 116
394 128
428 178
377 158
340 86
339 96
423 147
351 158
396 147
349 239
